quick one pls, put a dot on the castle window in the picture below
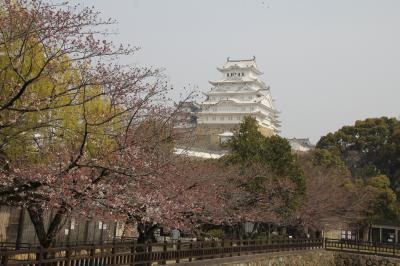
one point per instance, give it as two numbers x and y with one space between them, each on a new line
222 118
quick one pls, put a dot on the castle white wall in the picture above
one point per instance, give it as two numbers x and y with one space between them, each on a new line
236 96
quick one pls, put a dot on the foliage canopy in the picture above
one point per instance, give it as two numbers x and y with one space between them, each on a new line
369 148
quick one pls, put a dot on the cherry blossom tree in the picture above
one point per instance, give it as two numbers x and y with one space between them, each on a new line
332 196
71 117
198 193
79 132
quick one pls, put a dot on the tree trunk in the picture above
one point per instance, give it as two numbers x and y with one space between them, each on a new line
255 229
146 232
146 236
37 215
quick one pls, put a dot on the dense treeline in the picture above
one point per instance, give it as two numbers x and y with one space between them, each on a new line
370 150
325 191
342 181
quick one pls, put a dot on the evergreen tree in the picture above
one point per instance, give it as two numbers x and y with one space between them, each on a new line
368 148
250 146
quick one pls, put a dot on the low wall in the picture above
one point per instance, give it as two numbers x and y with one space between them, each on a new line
207 134
300 258
352 259
295 258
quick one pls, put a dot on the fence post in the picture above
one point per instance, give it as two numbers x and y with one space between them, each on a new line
214 251
164 256
113 252
178 253
4 257
132 254
68 255
191 250
240 246
149 251
231 249
39 255
222 249
92 253
202 249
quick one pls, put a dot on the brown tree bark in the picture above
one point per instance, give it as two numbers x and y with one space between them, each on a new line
37 215
146 232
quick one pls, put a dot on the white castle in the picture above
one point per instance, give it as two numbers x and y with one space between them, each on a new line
239 93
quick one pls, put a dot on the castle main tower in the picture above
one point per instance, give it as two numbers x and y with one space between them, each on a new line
240 92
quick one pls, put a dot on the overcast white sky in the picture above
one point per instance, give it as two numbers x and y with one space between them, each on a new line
328 62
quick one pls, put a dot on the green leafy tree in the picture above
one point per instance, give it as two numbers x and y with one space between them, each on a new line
325 158
381 204
271 160
246 143
385 205
249 146
368 148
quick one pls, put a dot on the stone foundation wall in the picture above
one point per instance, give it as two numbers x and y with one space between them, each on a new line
351 259
206 135
300 258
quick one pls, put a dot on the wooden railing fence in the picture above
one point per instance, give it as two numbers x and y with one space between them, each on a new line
363 247
131 254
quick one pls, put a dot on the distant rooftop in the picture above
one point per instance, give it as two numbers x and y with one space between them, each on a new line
301 144
241 60
241 63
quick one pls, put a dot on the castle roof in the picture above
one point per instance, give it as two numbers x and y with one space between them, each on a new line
236 81
240 64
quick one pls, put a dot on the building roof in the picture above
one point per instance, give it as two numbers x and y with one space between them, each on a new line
241 64
199 154
226 134
257 102
234 81
303 144
191 104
